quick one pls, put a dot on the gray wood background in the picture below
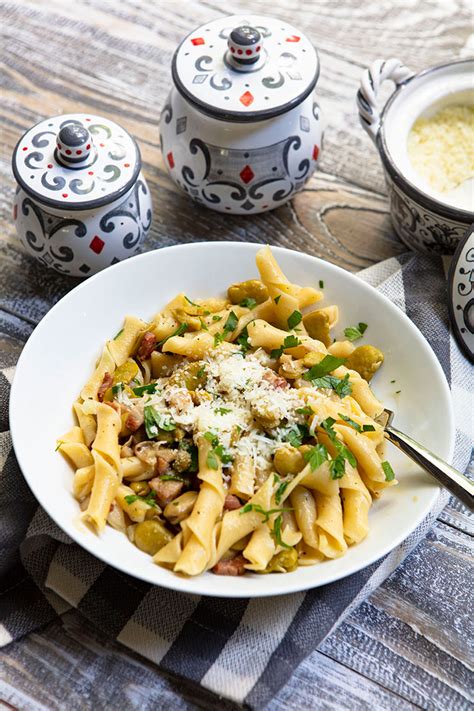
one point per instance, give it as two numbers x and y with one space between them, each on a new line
408 645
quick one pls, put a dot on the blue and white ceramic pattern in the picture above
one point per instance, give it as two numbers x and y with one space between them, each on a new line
241 131
82 203
461 294
424 221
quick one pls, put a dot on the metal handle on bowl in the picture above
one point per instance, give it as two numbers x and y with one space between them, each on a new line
372 78
444 473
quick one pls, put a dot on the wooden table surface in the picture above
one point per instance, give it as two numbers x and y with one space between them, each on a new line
407 646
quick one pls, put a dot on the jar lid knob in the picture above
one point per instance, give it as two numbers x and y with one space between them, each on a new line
245 47
74 145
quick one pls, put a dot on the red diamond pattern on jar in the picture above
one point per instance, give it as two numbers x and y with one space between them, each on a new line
315 152
170 159
97 244
246 99
247 174
198 40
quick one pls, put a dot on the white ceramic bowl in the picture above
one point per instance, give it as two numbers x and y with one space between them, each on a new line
61 353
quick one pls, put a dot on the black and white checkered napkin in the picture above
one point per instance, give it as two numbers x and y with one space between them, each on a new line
242 649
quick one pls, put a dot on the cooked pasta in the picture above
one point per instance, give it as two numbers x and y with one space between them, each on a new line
233 434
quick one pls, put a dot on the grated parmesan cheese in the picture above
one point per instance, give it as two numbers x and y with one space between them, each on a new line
441 147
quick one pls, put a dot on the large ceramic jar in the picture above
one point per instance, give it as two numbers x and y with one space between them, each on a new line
81 202
241 129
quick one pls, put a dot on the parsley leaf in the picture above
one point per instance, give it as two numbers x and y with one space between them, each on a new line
155 421
222 410
171 477
212 438
229 326
304 410
216 317
201 372
321 284
368 428
258 509
316 456
277 299
295 435
325 366
276 532
211 460
388 471
149 499
248 303
294 319
289 342
282 485
182 328
337 467
141 389
243 340
117 388
327 426
353 333
355 425
341 386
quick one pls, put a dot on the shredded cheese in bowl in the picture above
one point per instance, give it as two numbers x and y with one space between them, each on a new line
441 147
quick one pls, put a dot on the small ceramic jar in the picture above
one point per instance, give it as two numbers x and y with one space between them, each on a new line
81 202
241 129
423 220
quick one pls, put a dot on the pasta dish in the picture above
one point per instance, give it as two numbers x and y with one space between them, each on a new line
233 434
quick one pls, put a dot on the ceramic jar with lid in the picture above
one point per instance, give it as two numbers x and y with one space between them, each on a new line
241 130
82 203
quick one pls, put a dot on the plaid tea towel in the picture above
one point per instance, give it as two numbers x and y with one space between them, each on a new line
241 649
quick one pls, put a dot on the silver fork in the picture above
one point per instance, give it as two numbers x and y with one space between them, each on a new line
444 473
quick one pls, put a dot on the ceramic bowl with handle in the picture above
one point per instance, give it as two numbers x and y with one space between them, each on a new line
82 202
423 219
241 129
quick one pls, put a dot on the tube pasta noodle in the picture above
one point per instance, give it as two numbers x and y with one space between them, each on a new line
221 436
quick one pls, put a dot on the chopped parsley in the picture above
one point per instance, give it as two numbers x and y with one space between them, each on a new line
321 284
203 325
289 342
118 334
324 367
355 425
243 341
316 456
201 372
149 499
388 471
117 389
304 410
156 421
193 452
142 389
248 303
277 299
341 386
294 319
353 333
258 509
222 410
172 477
337 465
282 485
216 317
217 452
295 435
182 328
229 326
276 532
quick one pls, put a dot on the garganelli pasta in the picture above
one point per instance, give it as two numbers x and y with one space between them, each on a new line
233 434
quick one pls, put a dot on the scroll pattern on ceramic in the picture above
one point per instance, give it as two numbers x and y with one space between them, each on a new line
461 292
81 244
240 180
419 228
106 169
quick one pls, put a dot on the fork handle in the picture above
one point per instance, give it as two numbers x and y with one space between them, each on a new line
444 473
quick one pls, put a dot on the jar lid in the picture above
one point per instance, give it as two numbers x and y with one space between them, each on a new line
245 68
76 162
